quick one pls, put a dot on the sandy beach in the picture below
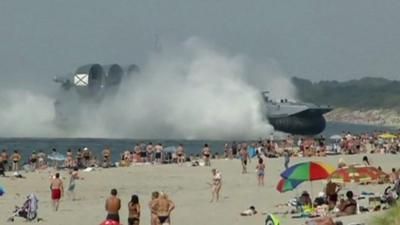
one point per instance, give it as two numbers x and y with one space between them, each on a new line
187 186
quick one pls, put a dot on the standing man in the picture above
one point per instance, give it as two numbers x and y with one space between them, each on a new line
107 156
149 150
113 205
16 157
4 158
57 190
207 155
244 158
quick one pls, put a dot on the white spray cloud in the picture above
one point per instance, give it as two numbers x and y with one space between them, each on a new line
190 91
24 114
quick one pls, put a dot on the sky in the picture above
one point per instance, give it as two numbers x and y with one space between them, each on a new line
317 40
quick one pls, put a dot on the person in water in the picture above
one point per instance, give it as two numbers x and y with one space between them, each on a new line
113 205
162 207
134 211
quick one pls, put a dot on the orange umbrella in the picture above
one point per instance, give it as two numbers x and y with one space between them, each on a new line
357 173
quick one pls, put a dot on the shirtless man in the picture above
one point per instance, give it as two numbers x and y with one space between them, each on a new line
153 216
348 206
16 157
57 190
72 182
158 153
107 156
4 158
162 207
244 158
70 159
331 192
216 184
149 150
113 205
207 155
180 153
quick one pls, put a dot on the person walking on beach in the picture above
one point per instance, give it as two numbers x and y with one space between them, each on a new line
244 158
72 183
207 155
260 171
180 152
216 185
286 158
113 205
134 211
16 157
153 215
57 191
162 207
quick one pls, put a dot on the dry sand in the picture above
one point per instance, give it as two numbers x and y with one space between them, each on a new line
187 186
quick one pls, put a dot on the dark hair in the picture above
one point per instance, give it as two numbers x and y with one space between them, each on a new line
134 199
155 194
114 192
260 160
57 175
349 194
205 145
393 170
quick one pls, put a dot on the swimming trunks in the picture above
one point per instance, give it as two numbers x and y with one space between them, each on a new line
55 194
245 162
260 173
114 217
206 155
163 219
133 221
158 155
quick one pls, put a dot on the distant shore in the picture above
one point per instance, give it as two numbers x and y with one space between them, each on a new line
377 117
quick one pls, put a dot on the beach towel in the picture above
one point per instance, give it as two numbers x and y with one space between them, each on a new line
272 220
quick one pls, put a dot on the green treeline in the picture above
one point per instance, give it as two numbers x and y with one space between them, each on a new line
366 93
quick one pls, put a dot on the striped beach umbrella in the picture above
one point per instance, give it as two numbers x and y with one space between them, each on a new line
357 174
287 185
308 171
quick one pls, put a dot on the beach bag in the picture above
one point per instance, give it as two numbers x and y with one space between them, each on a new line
272 220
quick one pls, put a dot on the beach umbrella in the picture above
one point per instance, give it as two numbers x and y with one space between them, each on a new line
287 185
2 191
387 136
357 173
336 137
308 171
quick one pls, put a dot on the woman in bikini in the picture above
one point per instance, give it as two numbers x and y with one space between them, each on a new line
180 155
260 172
216 184
163 207
134 211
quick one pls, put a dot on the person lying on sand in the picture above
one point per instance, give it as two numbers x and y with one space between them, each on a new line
251 211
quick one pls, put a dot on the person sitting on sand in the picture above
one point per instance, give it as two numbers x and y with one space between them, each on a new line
251 211
134 211
348 206
393 176
153 215
216 184
163 207
113 205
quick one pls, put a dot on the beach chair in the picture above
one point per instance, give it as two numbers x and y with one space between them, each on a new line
28 210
